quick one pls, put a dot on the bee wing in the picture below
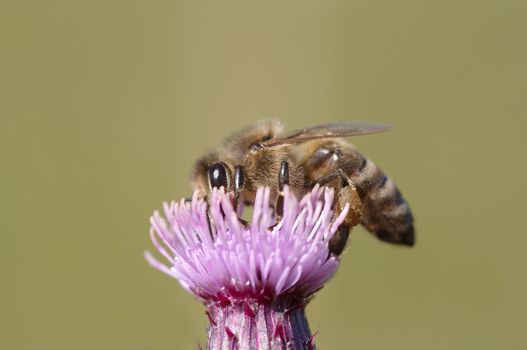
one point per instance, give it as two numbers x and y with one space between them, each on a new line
322 131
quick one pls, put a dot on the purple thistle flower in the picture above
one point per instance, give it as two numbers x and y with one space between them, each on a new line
254 279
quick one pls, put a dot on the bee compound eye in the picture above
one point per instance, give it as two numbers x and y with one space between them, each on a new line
218 176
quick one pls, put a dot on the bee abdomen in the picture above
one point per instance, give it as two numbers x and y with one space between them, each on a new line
386 214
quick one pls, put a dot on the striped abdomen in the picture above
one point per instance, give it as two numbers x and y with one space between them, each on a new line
385 212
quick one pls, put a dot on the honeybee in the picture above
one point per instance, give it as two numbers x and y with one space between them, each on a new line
261 155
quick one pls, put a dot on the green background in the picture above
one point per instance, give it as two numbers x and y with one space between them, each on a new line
104 105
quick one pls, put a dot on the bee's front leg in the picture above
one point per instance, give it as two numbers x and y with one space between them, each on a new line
239 182
346 194
238 185
283 179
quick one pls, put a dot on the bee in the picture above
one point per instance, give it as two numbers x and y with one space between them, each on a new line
261 155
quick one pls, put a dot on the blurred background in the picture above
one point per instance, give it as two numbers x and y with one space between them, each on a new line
104 106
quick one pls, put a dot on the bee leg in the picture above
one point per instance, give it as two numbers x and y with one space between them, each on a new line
346 194
239 182
283 175
337 243
283 179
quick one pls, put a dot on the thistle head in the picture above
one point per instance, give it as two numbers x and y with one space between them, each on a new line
220 259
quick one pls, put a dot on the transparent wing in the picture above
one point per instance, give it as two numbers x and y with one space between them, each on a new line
322 131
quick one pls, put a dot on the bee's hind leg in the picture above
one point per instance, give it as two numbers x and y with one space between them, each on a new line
346 193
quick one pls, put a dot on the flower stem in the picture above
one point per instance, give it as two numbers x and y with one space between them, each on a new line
249 325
